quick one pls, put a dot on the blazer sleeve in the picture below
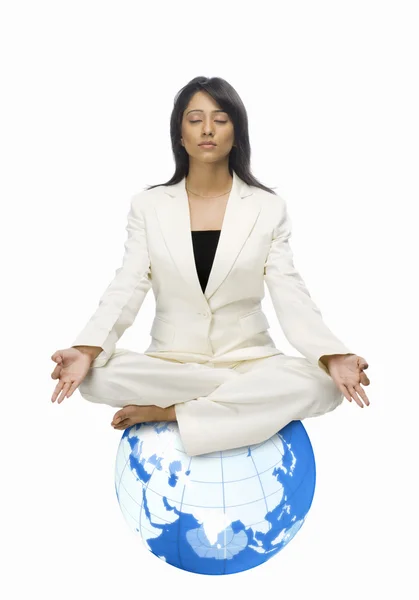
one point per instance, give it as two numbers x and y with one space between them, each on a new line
122 299
299 317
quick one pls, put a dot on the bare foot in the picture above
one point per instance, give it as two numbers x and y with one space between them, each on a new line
133 413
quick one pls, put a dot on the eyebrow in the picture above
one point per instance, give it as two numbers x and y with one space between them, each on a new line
200 110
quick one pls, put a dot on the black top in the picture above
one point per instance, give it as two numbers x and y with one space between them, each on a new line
205 244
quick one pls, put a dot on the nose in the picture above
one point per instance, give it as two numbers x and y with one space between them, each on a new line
207 127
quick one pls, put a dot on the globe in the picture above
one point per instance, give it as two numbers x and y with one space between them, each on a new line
216 513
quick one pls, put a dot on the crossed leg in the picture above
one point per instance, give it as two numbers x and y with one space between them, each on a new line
217 408
270 393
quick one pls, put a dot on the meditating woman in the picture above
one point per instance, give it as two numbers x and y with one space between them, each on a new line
206 241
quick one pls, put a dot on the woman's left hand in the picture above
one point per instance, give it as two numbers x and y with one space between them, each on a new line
347 371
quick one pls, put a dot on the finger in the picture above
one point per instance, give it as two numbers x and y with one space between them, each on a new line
361 393
345 392
65 389
56 372
73 387
364 379
355 396
57 390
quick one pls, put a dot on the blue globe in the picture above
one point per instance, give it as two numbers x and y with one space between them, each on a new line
216 513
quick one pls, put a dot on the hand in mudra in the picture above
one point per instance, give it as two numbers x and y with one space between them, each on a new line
347 371
72 367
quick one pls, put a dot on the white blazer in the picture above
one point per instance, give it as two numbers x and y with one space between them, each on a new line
226 322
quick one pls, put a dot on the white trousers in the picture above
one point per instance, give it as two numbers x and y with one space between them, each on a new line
217 407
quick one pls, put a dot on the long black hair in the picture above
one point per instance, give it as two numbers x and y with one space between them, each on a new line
229 100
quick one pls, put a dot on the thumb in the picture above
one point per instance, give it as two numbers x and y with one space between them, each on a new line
56 357
362 363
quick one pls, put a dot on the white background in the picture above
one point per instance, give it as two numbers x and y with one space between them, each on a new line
331 90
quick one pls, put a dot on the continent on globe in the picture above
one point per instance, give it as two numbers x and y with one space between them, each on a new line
217 513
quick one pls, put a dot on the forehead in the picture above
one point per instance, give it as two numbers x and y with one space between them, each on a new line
203 102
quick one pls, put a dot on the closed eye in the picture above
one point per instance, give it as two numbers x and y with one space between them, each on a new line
199 120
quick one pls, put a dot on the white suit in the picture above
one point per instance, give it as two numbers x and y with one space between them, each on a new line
218 335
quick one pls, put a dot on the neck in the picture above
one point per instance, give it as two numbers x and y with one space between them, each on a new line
208 180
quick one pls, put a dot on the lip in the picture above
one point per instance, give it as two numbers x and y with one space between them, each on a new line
207 146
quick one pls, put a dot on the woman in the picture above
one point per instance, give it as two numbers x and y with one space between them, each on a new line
206 241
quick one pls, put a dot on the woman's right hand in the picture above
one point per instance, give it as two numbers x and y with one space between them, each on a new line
72 367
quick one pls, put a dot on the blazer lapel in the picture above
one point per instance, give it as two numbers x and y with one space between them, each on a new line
173 214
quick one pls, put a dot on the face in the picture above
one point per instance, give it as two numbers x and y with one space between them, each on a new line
204 120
